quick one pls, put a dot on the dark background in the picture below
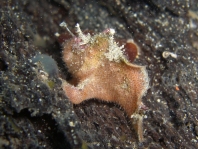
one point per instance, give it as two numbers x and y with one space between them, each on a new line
34 111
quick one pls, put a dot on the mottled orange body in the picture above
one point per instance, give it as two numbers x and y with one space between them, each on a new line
101 70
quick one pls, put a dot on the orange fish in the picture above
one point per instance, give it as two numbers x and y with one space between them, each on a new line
103 70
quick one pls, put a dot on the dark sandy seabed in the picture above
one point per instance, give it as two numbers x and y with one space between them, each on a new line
34 111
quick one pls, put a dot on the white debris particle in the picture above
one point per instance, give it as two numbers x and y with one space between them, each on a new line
166 54
57 34
194 140
71 124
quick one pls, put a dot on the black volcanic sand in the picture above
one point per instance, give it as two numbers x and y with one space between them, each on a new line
35 112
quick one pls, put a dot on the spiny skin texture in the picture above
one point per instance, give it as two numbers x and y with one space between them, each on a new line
102 73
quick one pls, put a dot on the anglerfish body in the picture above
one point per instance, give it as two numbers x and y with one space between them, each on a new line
100 69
